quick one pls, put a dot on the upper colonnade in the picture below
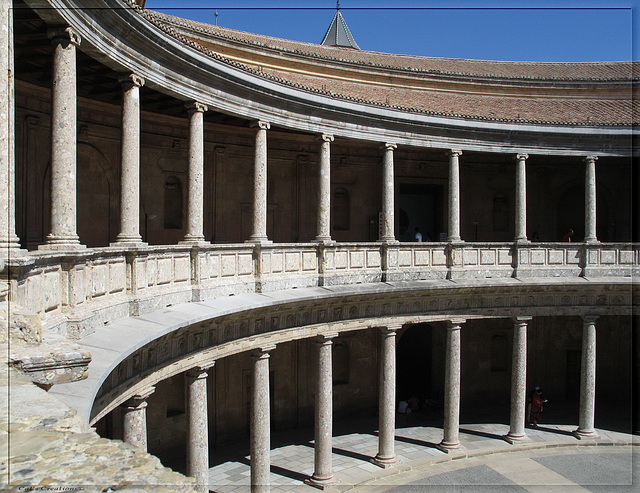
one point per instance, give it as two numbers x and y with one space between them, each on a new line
182 63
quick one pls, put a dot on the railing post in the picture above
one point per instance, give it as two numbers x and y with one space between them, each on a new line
257 267
196 261
321 259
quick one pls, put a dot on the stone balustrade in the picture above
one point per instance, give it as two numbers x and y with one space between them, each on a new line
75 293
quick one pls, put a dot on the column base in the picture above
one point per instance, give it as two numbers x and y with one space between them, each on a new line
194 240
388 240
132 243
11 244
321 483
62 243
513 439
586 435
522 241
449 448
384 462
324 240
259 240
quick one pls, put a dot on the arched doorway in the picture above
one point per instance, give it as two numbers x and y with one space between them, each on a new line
414 363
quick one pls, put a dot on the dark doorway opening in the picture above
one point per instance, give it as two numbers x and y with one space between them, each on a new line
420 205
413 377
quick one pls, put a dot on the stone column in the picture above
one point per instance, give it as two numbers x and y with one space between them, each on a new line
9 242
260 422
63 142
586 424
388 191
195 205
135 419
322 473
387 401
324 190
259 234
451 428
130 165
518 381
198 432
521 198
454 195
590 200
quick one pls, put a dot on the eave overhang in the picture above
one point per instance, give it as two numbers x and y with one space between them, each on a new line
117 35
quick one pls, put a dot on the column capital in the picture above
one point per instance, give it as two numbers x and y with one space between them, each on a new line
454 152
326 339
198 372
389 146
455 323
129 79
521 156
590 319
139 400
196 107
262 352
390 329
62 34
261 125
590 159
522 319
326 137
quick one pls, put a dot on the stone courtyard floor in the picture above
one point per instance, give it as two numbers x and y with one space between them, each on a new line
553 460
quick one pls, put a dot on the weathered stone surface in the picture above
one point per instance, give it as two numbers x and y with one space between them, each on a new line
48 449
23 325
49 364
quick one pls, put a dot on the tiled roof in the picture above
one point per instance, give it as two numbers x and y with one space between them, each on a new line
592 93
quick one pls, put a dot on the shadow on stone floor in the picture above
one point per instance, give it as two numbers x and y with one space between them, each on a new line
609 417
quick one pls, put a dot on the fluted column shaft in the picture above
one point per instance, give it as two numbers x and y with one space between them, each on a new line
135 419
521 198
198 432
195 205
130 166
8 238
259 234
451 428
324 189
260 422
586 423
518 381
323 473
64 142
388 217
590 200
387 399
454 195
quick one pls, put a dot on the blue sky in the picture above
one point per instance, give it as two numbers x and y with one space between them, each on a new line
543 30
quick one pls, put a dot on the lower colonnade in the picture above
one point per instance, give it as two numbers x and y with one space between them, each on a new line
197 453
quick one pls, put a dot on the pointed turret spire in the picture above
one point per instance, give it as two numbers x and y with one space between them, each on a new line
338 33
